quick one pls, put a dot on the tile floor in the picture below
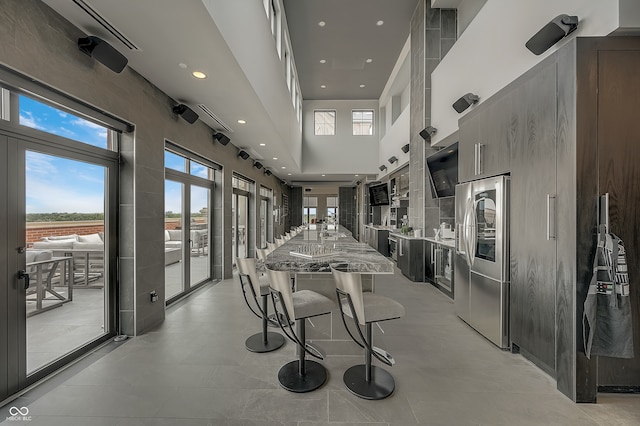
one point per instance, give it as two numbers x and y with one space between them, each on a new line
194 370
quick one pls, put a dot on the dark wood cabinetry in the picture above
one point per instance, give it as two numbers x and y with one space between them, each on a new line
411 258
378 239
567 132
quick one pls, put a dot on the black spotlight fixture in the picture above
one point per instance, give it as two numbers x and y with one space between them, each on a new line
383 168
428 131
257 165
405 148
186 113
559 27
102 52
243 154
465 102
221 137
393 159
267 172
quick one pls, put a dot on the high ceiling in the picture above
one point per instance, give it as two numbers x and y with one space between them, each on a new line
349 38
172 38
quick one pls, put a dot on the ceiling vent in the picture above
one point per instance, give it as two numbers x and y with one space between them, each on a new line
106 25
220 125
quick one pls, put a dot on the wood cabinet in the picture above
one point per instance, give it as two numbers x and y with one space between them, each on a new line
410 258
378 239
569 128
486 138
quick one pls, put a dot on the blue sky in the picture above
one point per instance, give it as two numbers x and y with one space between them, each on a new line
57 184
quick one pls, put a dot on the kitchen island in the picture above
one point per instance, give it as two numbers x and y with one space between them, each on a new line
308 257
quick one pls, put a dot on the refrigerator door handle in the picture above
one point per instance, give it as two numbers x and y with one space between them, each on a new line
474 233
467 233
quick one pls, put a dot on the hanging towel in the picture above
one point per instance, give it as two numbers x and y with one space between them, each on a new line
606 322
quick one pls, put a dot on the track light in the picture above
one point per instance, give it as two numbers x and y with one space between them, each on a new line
465 102
383 168
102 52
186 113
428 131
559 27
243 154
257 165
267 172
405 148
221 137
393 159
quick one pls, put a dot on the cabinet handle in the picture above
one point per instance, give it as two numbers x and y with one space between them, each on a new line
551 218
475 159
480 162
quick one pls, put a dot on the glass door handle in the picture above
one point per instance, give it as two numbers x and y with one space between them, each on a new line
22 274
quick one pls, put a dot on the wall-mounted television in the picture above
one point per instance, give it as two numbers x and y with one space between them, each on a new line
379 195
443 171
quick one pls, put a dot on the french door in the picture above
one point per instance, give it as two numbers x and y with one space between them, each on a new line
240 224
57 254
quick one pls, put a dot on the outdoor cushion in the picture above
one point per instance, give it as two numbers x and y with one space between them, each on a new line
61 237
54 245
91 238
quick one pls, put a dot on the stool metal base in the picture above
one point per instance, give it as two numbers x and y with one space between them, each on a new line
314 377
380 386
256 342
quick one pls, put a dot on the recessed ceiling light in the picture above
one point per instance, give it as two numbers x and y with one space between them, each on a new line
323 86
199 74
369 60
263 144
241 121
322 24
323 61
323 175
275 158
288 174
283 167
182 65
379 23
362 85
356 175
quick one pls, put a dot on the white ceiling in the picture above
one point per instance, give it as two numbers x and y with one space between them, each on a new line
169 32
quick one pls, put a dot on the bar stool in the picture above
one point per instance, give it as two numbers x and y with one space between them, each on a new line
301 375
271 246
279 241
365 380
266 341
262 253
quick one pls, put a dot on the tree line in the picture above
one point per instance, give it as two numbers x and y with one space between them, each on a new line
63 217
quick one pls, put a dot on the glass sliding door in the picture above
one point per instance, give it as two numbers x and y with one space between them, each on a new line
263 222
189 185
242 225
241 211
173 238
62 274
199 234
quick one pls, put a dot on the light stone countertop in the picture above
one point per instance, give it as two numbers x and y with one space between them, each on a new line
351 255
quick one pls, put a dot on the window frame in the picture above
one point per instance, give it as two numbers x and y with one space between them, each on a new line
354 122
324 124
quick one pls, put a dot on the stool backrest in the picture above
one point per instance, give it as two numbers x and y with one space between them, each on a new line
262 253
247 268
351 283
279 241
281 281
271 246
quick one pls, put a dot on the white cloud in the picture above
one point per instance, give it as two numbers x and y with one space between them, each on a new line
27 119
46 196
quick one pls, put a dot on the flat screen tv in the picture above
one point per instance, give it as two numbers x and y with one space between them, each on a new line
443 171
379 195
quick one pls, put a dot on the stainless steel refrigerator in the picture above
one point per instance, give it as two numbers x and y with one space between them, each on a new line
481 261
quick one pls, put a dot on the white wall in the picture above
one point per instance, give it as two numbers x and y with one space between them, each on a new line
243 24
342 153
390 145
490 53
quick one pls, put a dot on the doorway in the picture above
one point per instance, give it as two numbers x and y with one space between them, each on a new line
57 258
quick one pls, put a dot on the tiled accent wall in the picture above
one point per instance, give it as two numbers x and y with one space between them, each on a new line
417 117
433 33
295 206
347 208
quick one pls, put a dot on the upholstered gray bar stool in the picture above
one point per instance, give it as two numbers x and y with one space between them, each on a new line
266 341
301 375
365 380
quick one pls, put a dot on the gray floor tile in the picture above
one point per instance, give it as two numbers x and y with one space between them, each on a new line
194 370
